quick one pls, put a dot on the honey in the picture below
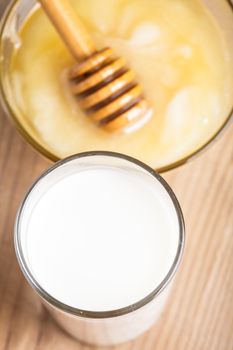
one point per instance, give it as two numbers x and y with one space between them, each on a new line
179 54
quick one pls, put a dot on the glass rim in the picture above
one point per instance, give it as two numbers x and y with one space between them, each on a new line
111 313
52 157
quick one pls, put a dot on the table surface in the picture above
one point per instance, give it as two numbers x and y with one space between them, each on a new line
199 314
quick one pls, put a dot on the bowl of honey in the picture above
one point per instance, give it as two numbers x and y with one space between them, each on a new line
181 52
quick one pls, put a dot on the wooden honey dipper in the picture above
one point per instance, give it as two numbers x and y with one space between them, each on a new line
105 88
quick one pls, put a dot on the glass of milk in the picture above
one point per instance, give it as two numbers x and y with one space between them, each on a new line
99 236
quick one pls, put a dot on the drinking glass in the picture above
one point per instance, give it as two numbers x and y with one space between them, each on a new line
112 326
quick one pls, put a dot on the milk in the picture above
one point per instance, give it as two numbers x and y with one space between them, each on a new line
100 237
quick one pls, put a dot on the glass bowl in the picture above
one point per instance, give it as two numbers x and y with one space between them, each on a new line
12 19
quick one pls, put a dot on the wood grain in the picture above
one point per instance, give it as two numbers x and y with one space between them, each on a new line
199 315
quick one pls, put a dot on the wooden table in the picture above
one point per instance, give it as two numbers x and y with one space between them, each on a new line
199 315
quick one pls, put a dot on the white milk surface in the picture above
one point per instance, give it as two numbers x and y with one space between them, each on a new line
102 238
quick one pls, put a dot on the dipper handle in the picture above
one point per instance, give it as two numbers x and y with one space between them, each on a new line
70 27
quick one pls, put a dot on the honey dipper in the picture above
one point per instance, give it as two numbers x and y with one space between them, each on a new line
104 86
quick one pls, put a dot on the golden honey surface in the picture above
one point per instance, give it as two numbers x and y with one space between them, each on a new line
178 53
